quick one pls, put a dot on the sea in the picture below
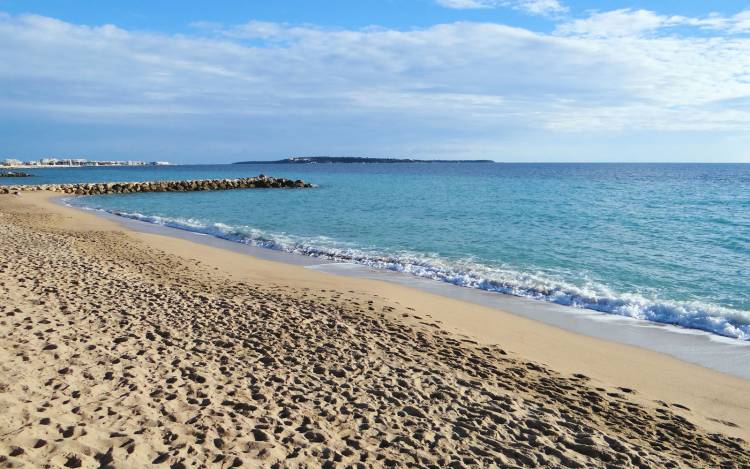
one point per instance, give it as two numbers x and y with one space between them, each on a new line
665 243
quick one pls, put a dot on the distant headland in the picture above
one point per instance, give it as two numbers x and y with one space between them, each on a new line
354 159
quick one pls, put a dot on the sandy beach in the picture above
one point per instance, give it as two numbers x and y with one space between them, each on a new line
126 349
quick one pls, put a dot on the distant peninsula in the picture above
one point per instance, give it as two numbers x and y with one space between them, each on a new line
354 159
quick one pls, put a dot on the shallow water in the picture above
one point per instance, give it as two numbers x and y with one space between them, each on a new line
666 243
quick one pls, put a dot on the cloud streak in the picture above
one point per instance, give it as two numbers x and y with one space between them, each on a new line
534 7
460 89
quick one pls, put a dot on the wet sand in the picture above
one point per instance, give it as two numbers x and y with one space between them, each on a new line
124 349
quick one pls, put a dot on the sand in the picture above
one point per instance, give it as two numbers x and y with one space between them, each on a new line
125 349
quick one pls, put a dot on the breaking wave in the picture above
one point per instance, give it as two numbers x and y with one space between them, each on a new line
467 273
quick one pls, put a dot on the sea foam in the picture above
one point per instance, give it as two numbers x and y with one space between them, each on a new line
467 273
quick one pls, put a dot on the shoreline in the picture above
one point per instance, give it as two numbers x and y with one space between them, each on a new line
706 349
478 322
654 383
667 307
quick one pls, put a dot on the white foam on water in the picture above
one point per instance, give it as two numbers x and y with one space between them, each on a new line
719 320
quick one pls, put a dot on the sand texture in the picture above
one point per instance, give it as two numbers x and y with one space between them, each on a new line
116 353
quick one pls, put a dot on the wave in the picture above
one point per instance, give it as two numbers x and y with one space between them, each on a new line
467 273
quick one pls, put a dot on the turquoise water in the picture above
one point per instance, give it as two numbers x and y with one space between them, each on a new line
665 243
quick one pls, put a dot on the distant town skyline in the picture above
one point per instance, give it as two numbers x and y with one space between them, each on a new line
55 162
507 80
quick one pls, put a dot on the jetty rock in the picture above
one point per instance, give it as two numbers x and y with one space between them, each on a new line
14 174
261 182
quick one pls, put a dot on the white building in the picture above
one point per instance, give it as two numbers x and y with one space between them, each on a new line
12 162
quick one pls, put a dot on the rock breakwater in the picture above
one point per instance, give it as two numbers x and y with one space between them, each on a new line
14 174
260 182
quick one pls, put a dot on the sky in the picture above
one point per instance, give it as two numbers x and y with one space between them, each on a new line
510 80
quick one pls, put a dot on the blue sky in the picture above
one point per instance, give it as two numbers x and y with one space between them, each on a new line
510 80
175 16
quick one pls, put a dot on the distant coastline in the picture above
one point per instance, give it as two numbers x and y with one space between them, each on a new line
58 166
74 163
354 159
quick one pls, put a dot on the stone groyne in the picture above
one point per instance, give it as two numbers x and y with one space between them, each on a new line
260 182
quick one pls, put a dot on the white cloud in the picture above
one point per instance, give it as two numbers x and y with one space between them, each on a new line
741 22
465 4
736 24
628 22
541 7
624 22
280 88
535 7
